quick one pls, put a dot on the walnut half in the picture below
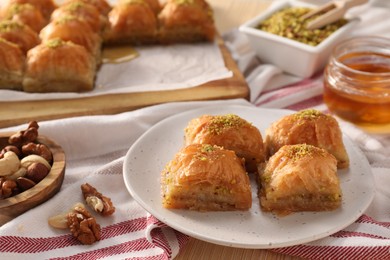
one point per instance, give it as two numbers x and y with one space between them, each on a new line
80 223
98 202
83 226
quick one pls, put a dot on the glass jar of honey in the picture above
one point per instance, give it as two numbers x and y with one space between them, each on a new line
357 83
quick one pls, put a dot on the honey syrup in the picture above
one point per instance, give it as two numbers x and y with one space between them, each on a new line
118 54
359 89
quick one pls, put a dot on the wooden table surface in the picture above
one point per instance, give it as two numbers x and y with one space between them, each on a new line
230 14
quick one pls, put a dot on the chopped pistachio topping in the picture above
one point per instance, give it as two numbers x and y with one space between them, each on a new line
65 18
206 148
288 23
17 8
220 123
73 6
266 177
298 151
6 26
139 2
308 114
184 2
54 43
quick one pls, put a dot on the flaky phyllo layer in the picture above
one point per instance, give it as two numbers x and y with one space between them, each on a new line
205 177
300 178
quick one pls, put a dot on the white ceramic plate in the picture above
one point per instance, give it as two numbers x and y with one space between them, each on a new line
246 229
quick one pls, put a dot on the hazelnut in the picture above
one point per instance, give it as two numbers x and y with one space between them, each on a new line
11 148
7 188
24 183
37 172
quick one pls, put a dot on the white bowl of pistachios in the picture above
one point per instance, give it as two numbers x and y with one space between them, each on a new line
279 37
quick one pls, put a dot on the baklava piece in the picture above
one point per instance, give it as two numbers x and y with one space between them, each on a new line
131 21
70 28
311 127
83 11
204 177
46 7
186 21
231 132
59 66
26 14
11 65
102 5
154 4
300 178
20 34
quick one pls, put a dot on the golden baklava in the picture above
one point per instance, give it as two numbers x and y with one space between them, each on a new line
20 34
11 65
131 21
186 21
205 177
46 7
300 178
83 11
59 66
154 4
102 5
26 14
231 132
70 28
311 127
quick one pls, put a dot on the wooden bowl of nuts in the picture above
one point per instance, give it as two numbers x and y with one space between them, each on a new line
32 169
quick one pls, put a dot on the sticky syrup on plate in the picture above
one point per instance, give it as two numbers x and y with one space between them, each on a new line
119 54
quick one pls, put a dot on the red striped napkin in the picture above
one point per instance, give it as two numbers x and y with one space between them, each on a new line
130 233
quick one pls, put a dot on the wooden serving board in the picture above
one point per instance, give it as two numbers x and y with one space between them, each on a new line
42 191
21 112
